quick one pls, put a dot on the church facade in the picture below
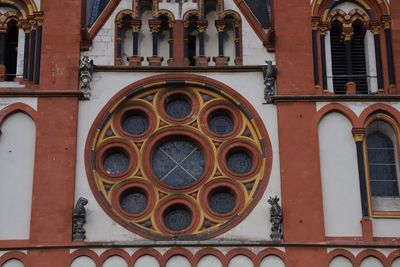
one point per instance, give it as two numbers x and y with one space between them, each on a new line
199 133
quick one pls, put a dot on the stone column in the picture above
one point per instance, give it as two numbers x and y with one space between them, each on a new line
202 60
32 50
118 61
36 76
350 85
378 57
386 22
220 60
238 44
135 59
323 29
3 32
155 27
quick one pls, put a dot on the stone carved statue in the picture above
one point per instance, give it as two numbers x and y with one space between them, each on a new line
276 218
85 76
269 73
79 219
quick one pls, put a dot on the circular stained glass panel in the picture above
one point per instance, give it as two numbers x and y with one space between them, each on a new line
178 163
220 123
134 201
222 201
178 107
116 163
135 123
177 218
239 162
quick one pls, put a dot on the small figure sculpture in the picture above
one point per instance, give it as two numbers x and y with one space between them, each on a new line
79 219
276 218
269 72
85 76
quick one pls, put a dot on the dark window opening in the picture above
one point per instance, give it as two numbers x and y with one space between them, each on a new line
11 50
338 59
359 70
192 49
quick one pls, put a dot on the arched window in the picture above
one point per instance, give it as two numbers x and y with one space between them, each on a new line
348 34
383 166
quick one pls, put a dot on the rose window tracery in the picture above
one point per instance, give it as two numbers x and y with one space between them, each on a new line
178 161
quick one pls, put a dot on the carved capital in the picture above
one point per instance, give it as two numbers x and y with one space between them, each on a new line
359 134
386 22
155 25
315 22
202 25
375 28
220 25
136 24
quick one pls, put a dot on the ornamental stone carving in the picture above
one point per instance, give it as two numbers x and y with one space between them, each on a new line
85 77
269 73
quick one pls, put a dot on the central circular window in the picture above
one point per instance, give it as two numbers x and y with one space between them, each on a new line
178 160
178 163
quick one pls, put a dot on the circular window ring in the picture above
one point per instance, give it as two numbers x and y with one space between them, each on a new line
134 184
188 95
136 107
181 132
117 145
222 184
239 144
177 201
221 107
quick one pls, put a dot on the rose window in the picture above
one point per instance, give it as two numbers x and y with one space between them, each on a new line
178 161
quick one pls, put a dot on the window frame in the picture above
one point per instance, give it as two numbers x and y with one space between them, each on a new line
396 143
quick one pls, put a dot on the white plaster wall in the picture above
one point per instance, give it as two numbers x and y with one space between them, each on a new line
340 262
115 261
386 227
174 7
339 173
127 43
229 45
208 261
146 261
371 262
83 261
100 227
370 62
272 261
17 150
102 50
29 101
163 46
178 261
396 263
13 263
38 4
145 38
240 261
347 7
20 53
211 37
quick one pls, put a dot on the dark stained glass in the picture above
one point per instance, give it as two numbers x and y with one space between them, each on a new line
178 107
382 165
134 201
222 201
178 163
261 10
220 123
135 123
239 162
116 163
177 219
